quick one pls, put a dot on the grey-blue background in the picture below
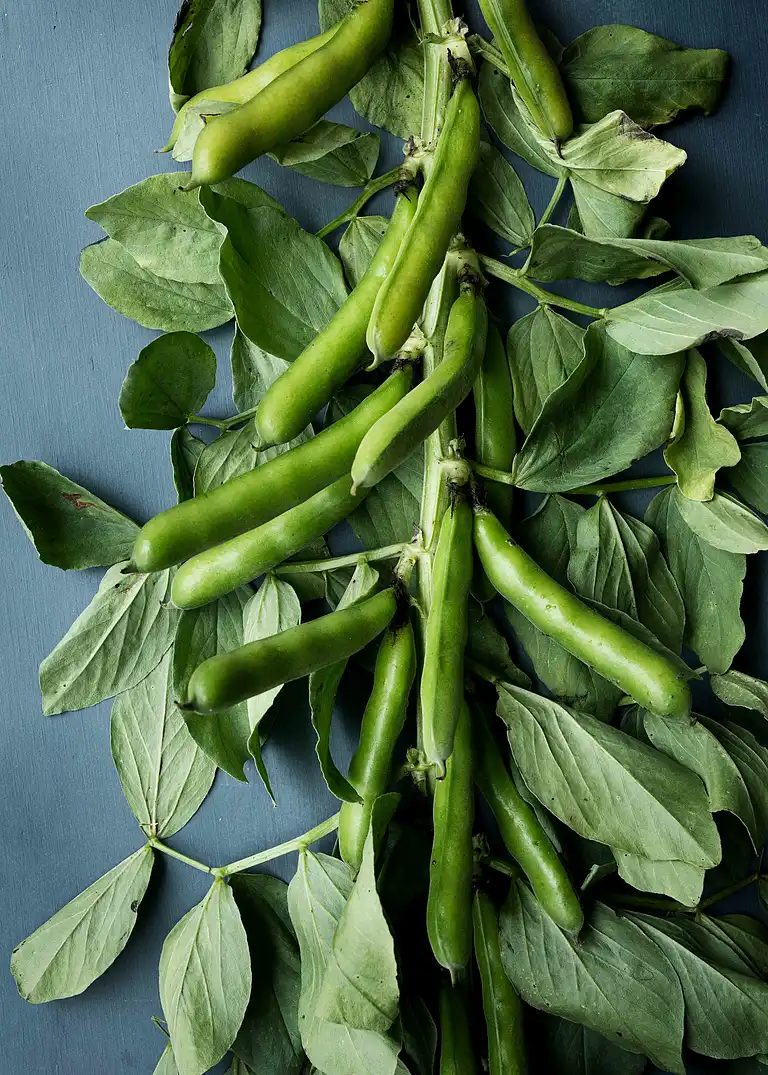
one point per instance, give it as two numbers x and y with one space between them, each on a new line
84 92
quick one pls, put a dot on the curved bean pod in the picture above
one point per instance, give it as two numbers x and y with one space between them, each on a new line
502 1007
228 678
642 673
338 350
438 218
383 720
296 99
253 498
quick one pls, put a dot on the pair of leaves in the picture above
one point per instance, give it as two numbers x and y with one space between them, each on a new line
590 427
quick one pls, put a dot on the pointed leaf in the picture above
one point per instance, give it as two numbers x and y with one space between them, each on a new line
332 153
213 42
739 689
186 449
505 114
359 243
750 477
724 523
679 880
497 197
600 214
544 348
567 1046
747 420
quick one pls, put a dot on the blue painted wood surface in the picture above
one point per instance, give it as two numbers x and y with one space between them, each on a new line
84 104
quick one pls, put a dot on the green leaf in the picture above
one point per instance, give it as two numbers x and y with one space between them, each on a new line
725 1011
213 42
647 77
69 526
607 786
486 646
724 523
390 94
280 311
739 689
316 899
614 980
360 986
672 321
710 582
268 1039
253 371
679 880
497 197
166 230
544 348
205 980
273 608
166 1065
566 1046
750 477
619 157
359 243
154 301
617 561
752 360
550 536
699 749
332 153
590 427
751 759
164 774
560 253
186 450
735 941
420 1037
202 633
324 684
699 446
168 383
746 420
236 452
604 215
61 958
113 644
506 116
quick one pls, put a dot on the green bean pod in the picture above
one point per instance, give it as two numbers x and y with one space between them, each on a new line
502 1007
388 443
252 82
223 568
296 99
523 835
338 350
438 218
531 67
229 678
442 677
457 1055
383 720
639 671
495 438
449 904
253 498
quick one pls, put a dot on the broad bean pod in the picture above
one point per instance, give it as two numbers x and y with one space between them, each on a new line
296 99
438 217
253 498
442 677
522 833
338 349
457 1054
502 1007
223 568
229 678
389 442
383 720
449 903
533 70
639 671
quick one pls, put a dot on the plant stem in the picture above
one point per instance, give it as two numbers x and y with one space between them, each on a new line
373 186
601 488
201 420
546 298
554 201
501 477
433 15
480 47
388 552
729 891
158 845
297 844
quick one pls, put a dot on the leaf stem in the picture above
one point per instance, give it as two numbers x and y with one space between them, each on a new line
296 844
501 477
601 488
388 552
729 891
373 186
201 420
158 845
554 201
546 298
480 47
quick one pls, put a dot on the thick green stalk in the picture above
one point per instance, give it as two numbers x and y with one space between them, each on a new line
547 298
297 844
433 16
